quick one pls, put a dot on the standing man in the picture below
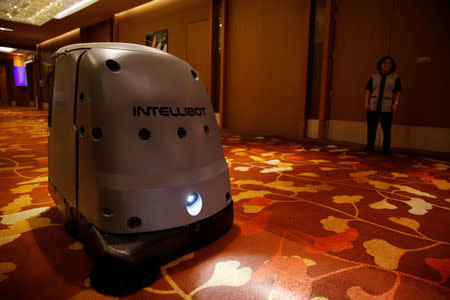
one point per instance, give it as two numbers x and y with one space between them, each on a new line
381 100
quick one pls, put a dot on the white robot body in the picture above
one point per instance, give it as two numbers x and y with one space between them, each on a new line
134 151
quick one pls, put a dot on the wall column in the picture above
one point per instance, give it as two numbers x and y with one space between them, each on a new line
115 29
223 42
37 78
327 66
304 84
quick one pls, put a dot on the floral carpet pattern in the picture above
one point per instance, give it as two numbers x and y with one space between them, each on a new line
312 221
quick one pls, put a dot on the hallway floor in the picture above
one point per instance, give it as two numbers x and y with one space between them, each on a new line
311 222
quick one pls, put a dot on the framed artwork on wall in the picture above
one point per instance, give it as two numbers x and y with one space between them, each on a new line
158 39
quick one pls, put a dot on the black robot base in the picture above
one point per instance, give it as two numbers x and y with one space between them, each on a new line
126 263
159 246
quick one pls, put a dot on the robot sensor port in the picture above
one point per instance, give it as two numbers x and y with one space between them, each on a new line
194 74
82 131
181 132
108 212
112 65
144 134
97 134
134 222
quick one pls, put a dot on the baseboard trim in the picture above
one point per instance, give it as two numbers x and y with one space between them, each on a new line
403 136
217 115
312 128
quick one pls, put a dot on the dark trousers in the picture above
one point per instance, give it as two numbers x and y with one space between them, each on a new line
372 124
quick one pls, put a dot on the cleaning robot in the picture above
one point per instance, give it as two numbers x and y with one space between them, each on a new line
135 162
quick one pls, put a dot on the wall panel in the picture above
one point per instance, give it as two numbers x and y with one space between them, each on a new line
421 46
188 24
173 15
97 33
46 49
415 34
265 66
362 38
198 50
4 99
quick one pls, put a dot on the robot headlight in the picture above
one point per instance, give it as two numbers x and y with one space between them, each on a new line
194 204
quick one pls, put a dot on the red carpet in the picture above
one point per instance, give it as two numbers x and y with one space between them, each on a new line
311 222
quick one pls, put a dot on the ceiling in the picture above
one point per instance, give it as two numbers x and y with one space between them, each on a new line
26 36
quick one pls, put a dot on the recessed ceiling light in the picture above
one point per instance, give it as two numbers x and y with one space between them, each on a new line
7 49
74 8
38 12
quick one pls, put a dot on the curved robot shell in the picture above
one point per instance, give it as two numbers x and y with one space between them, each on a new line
119 171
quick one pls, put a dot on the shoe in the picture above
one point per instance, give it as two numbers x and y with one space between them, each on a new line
367 149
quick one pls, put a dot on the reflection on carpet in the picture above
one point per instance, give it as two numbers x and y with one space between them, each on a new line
311 222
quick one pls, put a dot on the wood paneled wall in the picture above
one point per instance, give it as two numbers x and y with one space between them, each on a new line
420 43
45 51
265 66
173 15
265 56
100 32
4 99
188 24
415 34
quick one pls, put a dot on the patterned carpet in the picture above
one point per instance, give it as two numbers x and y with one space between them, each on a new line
311 222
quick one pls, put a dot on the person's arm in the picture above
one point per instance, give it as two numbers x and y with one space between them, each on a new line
396 101
367 97
397 89
369 89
